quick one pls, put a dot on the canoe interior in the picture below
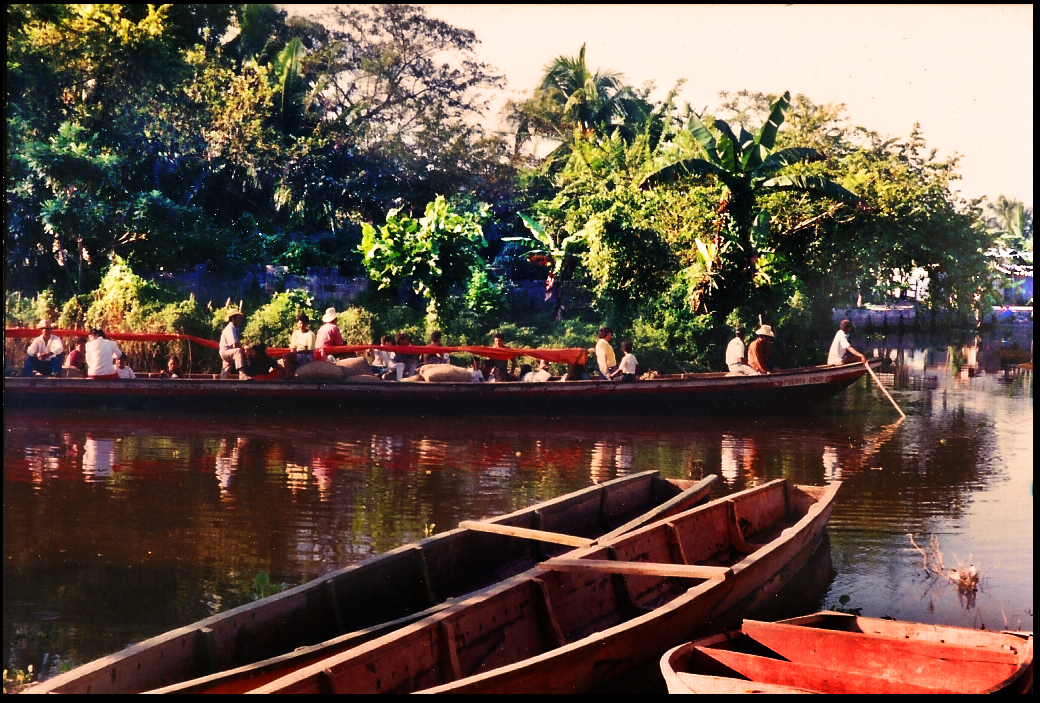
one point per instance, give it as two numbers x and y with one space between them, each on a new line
542 611
401 583
689 394
838 653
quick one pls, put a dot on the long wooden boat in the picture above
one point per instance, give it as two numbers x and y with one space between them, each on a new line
576 622
364 601
842 653
687 394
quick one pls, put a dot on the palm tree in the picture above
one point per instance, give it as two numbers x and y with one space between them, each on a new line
573 102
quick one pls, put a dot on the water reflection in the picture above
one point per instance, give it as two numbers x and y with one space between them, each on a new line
174 516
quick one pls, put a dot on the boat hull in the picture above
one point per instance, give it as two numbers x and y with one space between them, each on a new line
571 626
362 602
843 653
692 394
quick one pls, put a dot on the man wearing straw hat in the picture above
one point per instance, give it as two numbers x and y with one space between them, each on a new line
761 350
230 348
328 335
45 353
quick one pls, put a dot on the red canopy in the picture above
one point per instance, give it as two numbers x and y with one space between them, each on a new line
557 356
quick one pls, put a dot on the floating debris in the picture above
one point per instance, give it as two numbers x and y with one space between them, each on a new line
966 578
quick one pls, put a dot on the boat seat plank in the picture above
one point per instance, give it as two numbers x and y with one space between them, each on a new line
693 571
525 533
879 652
679 503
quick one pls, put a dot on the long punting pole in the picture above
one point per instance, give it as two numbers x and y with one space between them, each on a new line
887 395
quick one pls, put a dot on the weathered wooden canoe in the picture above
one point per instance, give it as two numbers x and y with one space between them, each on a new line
841 653
361 602
788 391
575 622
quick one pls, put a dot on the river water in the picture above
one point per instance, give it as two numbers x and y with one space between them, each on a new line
120 526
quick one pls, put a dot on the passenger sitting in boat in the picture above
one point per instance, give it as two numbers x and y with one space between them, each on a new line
383 365
230 348
605 360
328 335
626 370
503 368
435 341
841 351
173 368
410 361
576 372
476 372
736 357
76 363
541 373
526 371
122 368
761 351
301 344
259 366
44 353
100 352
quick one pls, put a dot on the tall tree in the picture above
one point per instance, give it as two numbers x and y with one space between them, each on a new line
573 103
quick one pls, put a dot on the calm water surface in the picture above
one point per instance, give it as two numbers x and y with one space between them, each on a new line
120 526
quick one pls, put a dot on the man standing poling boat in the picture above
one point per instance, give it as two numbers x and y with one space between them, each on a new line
230 348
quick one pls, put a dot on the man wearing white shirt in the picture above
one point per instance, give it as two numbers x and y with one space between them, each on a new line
45 353
841 351
230 349
101 355
736 356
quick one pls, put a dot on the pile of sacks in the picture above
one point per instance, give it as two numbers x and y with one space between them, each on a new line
352 370
358 371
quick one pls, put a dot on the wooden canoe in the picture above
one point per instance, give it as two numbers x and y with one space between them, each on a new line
364 601
689 394
841 653
575 622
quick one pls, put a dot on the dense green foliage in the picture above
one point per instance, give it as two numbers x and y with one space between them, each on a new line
146 139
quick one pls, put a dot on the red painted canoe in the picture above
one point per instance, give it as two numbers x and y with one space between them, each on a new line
841 653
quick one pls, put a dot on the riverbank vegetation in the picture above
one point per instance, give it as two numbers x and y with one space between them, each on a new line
149 142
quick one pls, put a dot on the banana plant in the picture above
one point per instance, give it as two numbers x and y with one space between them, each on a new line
748 166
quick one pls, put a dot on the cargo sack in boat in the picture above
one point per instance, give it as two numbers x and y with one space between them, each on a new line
354 367
446 373
319 371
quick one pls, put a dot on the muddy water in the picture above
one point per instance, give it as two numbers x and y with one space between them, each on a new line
118 527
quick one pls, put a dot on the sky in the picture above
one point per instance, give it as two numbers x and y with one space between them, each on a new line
964 72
